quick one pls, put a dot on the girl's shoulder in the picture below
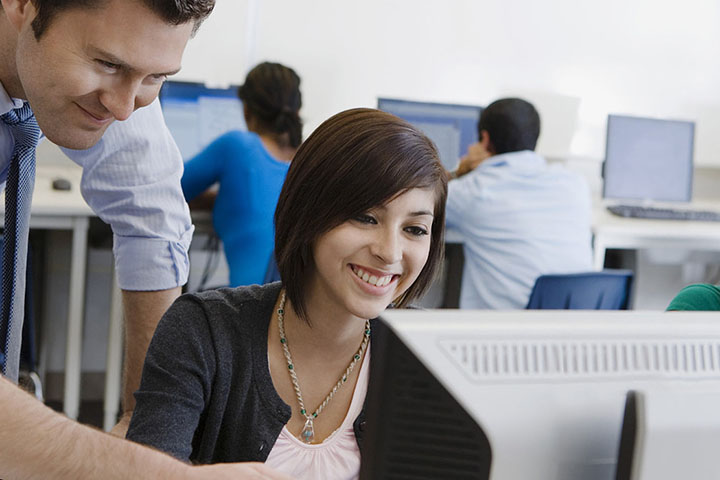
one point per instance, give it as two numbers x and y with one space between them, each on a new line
245 300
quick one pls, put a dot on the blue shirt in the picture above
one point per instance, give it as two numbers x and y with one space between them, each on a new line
518 218
131 180
250 183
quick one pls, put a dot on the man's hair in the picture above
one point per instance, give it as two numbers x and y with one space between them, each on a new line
513 125
353 162
271 94
174 12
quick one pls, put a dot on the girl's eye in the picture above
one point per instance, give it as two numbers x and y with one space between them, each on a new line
365 218
417 231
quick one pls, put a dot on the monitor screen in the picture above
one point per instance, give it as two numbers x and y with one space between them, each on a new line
648 159
521 394
196 115
453 128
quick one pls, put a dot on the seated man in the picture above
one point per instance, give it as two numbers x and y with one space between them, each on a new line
518 217
700 296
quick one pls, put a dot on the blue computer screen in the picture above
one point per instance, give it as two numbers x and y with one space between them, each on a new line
648 159
196 115
453 128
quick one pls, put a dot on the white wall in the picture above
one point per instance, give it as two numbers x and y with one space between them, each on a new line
577 59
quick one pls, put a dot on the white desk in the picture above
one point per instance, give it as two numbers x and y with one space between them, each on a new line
612 231
65 210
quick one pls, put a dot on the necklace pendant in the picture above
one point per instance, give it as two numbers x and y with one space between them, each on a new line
308 432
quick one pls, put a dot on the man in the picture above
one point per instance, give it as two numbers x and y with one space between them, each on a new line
518 217
74 68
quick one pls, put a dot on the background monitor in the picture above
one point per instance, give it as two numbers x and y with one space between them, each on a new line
521 394
648 159
453 128
196 114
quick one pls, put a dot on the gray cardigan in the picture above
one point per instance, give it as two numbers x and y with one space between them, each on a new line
206 394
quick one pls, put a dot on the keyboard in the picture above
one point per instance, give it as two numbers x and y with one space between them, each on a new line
637 211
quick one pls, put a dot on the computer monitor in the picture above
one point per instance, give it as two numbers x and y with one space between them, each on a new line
670 434
453 128
648 159
521 394
196 114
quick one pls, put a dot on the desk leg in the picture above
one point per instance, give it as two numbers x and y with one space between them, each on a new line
599 254
73 348
113 369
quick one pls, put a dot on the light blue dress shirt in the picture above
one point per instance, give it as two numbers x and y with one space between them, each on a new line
131 180
518 218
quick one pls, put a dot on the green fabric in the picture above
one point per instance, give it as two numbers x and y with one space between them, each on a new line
701 296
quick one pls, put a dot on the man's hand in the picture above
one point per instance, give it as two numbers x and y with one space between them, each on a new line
477 153
245 471
38 443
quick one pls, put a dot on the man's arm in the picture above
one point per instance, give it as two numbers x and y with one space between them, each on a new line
142 311
131 180
476 154
37 443
204 201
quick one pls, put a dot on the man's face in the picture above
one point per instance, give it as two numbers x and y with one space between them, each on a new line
93 66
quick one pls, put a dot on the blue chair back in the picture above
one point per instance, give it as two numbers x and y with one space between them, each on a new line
272 274
604 290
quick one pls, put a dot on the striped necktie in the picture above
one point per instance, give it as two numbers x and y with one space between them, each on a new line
18 195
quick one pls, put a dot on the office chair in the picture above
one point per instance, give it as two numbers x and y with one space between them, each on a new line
604 290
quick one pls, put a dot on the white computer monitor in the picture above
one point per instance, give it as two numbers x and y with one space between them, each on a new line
648 159
524 394
670 433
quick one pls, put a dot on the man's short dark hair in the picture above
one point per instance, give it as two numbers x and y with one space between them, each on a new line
353 162
174 12
513 125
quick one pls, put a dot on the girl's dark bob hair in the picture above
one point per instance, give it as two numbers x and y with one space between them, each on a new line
353 162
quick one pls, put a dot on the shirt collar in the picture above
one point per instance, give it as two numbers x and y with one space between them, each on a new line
6 102
524 159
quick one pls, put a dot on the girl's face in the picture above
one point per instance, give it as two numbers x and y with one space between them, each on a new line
362 265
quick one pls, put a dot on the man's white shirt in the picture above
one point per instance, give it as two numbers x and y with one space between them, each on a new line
519 218
131 180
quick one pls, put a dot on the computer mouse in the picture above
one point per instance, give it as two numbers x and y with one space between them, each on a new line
61 184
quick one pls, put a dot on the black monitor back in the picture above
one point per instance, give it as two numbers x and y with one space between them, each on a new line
415 428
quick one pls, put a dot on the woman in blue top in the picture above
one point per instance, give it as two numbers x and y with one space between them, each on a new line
250 168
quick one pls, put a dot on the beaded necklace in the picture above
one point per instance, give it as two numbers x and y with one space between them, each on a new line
308 432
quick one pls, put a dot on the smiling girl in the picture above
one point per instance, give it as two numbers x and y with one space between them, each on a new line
279 373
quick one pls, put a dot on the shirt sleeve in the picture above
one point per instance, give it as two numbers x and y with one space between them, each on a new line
131 180
454 205
697 297
205 168
176 381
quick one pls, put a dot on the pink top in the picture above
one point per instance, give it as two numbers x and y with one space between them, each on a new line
337 458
